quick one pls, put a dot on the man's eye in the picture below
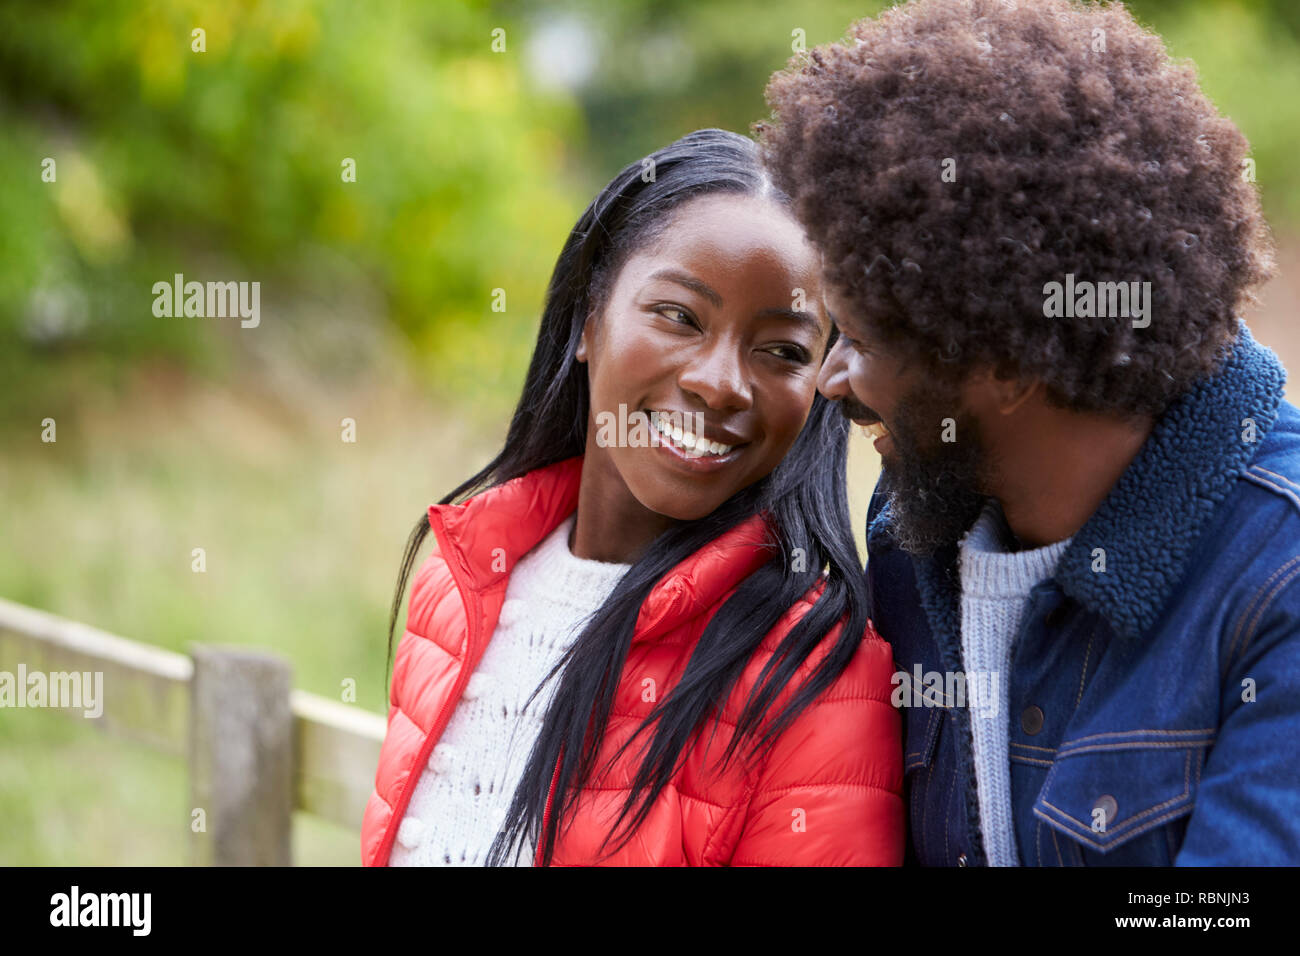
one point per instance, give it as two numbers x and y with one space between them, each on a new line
857 346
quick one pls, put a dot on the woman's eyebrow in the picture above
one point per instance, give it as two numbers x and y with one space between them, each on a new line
695 285
690 282
803 318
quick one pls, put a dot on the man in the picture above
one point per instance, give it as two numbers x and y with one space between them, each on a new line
1085 543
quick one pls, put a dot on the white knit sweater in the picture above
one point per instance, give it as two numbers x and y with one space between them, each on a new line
995 586
461 798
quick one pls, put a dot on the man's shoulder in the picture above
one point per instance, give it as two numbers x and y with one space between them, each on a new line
1275 468
1247 563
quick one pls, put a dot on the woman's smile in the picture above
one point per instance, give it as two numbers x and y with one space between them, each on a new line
685 445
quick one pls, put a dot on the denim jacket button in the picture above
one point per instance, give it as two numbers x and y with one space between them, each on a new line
1055 617
1031 720
961 859
1107 805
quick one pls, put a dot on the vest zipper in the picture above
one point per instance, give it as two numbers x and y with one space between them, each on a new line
546 814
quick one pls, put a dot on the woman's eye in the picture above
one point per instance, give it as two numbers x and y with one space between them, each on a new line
792 353
676 314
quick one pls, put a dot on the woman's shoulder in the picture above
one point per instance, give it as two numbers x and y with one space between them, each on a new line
432 584
866 677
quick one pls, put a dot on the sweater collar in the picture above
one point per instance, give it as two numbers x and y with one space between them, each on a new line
1147 528
487 534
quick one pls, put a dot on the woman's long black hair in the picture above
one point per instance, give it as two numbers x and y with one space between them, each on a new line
804 496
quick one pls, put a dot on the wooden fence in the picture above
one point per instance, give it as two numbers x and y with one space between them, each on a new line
257 749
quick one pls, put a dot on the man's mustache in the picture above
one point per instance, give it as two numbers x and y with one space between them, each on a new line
856 411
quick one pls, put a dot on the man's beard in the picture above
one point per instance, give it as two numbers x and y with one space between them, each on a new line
933 485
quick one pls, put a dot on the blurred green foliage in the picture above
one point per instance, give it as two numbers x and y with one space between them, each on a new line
226 164
472 163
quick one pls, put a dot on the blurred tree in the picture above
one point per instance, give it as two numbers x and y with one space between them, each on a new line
229 164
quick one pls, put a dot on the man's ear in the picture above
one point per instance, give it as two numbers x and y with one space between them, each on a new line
1012 393
1001 394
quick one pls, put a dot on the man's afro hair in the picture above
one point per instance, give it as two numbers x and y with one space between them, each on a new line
1073 145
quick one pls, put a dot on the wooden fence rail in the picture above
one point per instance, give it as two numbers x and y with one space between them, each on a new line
257 750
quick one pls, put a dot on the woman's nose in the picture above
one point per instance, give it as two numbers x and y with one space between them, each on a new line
719 377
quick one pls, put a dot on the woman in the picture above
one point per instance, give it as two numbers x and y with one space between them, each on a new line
649 546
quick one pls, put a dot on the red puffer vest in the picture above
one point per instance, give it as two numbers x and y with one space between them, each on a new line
827 792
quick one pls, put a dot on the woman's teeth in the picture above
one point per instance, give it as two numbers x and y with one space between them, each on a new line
875 430
695 447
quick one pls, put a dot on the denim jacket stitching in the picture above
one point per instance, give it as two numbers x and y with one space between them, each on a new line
1268 602
1139 823
1034 761
930 731
1159 732
947 817
1149 825
1023 758
1231 651
1083 674
1252 475
1046 750
1129 736
1282 478
1137 745
925 808
935 697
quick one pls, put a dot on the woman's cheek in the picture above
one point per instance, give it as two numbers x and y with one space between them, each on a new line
797 404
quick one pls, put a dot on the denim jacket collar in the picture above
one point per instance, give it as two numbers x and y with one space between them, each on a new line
1150 523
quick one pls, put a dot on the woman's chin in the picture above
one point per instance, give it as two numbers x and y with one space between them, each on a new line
678 507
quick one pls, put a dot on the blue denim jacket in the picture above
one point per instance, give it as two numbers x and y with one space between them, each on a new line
1154 706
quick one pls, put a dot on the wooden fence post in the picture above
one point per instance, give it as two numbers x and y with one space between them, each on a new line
241 758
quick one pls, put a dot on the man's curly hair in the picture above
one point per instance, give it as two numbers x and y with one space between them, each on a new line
1075 146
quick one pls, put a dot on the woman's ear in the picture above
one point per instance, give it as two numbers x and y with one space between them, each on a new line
588 328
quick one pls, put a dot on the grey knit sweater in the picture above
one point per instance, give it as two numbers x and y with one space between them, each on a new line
995 585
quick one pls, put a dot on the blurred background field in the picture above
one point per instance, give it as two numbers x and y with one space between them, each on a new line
472 165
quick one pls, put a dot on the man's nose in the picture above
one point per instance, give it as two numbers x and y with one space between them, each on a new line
833 378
